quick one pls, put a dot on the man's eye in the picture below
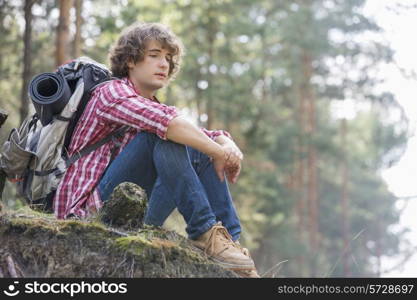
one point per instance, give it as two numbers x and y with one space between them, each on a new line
153 55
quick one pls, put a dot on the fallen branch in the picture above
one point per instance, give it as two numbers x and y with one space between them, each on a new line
11 267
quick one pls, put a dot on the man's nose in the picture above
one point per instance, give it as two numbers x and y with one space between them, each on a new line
163 63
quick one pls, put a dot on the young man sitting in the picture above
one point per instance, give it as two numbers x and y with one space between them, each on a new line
178 164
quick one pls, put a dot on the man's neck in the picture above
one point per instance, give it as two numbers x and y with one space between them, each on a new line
147 94
150 94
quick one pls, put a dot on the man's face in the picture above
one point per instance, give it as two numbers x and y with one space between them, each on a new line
151 73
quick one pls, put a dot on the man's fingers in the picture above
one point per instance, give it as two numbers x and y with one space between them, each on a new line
231 165
233 159
233 173
220 173
237 174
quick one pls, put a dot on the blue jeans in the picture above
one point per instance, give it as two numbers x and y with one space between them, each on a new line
173 175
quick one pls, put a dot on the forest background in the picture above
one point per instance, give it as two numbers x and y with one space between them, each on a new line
300 85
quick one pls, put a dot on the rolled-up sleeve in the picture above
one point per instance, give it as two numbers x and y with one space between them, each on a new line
215 133
119 103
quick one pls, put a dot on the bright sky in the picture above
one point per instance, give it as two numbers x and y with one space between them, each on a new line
401 178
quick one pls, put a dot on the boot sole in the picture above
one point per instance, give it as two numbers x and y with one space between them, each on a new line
225 265
244 275
232 266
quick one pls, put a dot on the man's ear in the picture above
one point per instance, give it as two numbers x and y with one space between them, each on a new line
130 64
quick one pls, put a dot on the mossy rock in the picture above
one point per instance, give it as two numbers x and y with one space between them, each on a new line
38 245
126 207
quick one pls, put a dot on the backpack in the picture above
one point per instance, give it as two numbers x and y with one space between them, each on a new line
35 155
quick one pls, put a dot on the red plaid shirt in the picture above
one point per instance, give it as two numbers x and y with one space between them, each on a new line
112 105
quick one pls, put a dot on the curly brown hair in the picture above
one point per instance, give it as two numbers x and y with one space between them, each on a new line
131 45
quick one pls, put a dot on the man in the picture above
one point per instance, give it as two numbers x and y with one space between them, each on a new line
178 164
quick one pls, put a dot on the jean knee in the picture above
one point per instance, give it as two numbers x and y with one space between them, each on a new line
170 147
171 155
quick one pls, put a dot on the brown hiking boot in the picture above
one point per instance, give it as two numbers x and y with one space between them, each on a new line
246 273
219 246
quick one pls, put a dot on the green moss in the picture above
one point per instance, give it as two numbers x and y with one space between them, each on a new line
141 245
82 227
126 207
26 210
31 227
133 244
45 247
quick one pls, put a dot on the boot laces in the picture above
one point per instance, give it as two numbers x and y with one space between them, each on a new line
245 251
219 236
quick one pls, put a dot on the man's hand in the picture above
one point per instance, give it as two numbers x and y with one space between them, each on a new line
233 162
219 164
233 173
233 156
225 155
229 162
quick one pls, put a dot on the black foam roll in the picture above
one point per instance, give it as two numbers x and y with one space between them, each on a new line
49 93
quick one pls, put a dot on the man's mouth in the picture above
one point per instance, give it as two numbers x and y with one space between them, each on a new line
161 74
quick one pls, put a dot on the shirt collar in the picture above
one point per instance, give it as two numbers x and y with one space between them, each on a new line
130 83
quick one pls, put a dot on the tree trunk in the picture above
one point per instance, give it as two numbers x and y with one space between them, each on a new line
199 103
27 60
312 186
299 176
378 249
78 24
211 36
345 202
308 118
62 35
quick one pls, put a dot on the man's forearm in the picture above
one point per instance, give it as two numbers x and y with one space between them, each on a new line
184 132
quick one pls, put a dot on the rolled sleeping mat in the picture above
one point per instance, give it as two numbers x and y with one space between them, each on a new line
50 93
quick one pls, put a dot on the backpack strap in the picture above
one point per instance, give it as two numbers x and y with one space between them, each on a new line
90 91
61 118
87 150
93 88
